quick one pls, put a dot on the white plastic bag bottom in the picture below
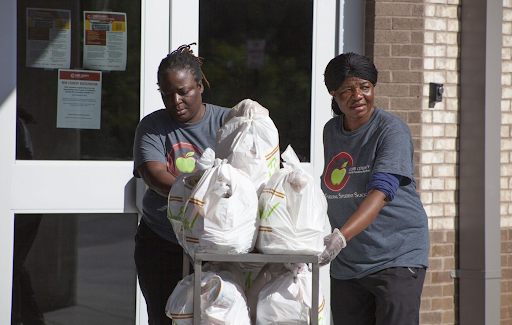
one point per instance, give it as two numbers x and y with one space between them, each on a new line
222 302
286 300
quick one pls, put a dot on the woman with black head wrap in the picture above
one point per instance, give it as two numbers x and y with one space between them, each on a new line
380 242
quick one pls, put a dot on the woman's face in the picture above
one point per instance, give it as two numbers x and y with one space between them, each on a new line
355 99
182 96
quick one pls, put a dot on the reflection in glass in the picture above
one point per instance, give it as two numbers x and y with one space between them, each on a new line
261 50
37 90
74 269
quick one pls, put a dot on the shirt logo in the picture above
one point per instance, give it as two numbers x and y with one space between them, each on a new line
336 175
182 158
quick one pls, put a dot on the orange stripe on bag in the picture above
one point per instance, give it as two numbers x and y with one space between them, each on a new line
192 239
267 157
196 202
264 228
271 191
321 307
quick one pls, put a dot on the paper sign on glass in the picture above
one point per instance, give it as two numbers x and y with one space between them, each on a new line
105 40
48 38
79 99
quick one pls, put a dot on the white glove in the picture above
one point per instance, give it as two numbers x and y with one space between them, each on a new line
334 243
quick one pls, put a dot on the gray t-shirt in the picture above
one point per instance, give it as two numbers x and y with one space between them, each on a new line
399 235
176 145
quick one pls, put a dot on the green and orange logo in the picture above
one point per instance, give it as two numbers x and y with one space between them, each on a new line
335 177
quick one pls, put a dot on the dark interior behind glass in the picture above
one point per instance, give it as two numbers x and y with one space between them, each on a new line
74 269
120 94
261 49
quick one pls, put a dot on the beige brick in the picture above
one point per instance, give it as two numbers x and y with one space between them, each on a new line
446 11
453 25
444 117
444 171
443 223
451 130
428 64
506 79
435 50
450 210
504 182
426 117
504 157
437 183
505 131
426 197
432 157
450 184
505 105
435 24
429 37
506 28
450 157
507 15
452 51
444 197
430 11
452 77
444 144
506 144
506 170
427 144
506 118
392 36
434 76
383 23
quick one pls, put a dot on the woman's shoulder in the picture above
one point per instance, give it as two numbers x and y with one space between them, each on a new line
389 120
216 109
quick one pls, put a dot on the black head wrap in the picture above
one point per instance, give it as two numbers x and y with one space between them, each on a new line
348 65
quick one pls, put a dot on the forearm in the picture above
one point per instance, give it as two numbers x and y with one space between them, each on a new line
364 215
157 178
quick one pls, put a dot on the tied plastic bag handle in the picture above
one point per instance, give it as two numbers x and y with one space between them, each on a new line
291 161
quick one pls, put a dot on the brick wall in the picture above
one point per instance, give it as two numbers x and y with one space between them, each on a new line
413 43
506 167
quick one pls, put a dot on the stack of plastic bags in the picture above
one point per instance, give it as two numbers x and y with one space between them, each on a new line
218 208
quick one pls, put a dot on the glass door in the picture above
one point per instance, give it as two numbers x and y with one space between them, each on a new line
274 52
79 75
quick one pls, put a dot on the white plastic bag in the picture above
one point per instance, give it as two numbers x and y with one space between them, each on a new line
221 215
286 300
266 274
222 299
293 211
182 189
249 140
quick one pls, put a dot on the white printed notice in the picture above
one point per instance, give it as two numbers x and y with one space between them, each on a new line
105 40
79 99
48 38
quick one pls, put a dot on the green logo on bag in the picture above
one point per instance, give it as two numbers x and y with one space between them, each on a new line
187 225
265 213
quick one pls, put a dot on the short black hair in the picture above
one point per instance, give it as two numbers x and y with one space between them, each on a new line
348 65
183 58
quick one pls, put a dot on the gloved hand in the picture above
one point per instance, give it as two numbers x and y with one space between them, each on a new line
334 243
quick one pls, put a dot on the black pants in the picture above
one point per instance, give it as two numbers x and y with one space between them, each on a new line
388 297
159 268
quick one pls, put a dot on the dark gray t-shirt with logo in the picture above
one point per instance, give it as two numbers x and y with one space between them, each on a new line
176 145
399 235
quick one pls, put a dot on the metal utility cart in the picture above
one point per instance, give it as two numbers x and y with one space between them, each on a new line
253 257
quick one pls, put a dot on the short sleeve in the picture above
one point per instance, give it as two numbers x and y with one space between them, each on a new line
148 145
395 153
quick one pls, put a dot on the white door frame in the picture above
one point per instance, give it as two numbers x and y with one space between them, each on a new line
44 186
